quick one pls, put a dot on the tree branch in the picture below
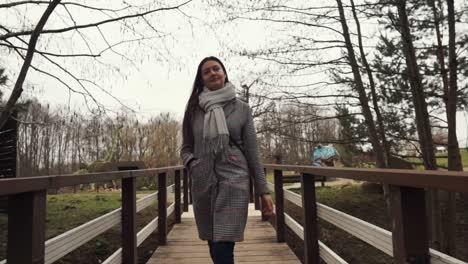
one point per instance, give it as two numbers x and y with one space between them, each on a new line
18 88
62 30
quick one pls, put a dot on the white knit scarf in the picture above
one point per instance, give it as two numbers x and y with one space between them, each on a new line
215 130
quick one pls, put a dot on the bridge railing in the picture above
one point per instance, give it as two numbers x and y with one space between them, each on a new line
407 243
27 214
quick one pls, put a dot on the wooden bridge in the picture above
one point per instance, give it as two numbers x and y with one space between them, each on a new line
260 245
407 242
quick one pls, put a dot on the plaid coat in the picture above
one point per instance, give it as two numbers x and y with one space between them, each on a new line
220 187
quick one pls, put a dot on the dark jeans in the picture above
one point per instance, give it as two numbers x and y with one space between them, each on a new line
222 252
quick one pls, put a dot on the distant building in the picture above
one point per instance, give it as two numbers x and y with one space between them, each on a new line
441 149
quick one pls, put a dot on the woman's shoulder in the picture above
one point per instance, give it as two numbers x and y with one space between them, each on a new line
242 105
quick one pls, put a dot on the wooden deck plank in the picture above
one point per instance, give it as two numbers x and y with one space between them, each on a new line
259 246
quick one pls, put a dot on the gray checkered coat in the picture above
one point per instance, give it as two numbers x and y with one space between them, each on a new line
220 187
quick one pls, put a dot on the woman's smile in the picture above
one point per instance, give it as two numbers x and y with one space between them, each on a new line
213 75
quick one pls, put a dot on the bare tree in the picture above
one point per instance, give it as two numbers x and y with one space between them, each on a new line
23 41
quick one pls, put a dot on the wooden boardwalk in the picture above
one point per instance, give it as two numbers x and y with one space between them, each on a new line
259 246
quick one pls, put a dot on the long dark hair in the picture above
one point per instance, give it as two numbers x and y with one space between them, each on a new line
198 85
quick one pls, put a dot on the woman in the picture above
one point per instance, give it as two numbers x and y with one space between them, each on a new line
220 151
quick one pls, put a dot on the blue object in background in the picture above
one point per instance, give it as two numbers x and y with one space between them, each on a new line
323 153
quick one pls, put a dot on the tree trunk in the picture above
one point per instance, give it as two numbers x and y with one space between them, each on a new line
18 88
359 86
375 101
422 116
454 158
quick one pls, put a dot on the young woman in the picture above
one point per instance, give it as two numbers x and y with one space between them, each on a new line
220 151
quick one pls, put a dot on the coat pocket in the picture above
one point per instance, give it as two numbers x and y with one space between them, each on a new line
200 176
238 161
194 165
233 167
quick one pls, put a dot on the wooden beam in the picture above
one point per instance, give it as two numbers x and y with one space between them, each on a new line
129 234
446 180
279 199
177 197
26 228
410 228
456 181
186 192
311 247
162 208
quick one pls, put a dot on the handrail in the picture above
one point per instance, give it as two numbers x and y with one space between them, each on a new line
408 242
28 198
29 184
367 232
27 210
456 181
59 246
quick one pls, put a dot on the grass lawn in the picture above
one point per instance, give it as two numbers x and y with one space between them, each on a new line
442 160
66 211
270 177
464 157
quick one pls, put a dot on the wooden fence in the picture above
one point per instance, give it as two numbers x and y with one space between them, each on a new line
27 211
8 141
408 243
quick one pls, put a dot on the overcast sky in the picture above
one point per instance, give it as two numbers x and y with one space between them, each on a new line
154 79
159 75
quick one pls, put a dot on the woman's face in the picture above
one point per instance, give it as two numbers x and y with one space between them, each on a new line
213 75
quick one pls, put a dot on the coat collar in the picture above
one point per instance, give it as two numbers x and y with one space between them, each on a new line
229 107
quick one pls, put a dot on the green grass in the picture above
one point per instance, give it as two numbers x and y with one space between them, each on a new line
65 211
464 157
442 159
270 177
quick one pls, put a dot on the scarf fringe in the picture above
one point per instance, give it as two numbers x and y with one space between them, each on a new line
215 146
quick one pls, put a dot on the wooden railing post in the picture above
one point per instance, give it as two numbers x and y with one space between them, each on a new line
129 233
279 200
162 208
177 196
186 193
410 228
311 248
26 227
